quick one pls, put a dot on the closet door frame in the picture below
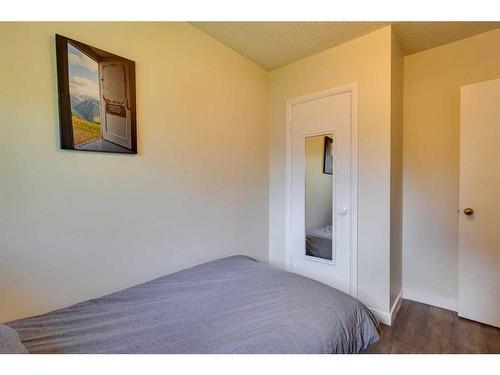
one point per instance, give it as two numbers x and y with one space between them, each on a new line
351 88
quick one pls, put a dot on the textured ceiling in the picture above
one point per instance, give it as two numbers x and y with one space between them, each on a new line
419 36
274 44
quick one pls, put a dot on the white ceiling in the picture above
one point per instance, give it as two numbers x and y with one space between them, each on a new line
274 44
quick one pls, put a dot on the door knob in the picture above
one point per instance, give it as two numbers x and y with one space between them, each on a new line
468 211
342 211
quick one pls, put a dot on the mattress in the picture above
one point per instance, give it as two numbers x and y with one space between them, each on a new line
230 305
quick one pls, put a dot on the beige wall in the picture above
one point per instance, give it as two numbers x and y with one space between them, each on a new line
79 225
67 232
432 81
318 185
366 60
396 169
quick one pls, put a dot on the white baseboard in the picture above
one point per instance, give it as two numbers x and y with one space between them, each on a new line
382 317
388 317
431 299
397 304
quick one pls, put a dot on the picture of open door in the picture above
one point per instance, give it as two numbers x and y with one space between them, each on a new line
96 99
115 103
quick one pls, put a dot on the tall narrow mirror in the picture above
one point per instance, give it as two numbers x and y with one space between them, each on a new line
319 161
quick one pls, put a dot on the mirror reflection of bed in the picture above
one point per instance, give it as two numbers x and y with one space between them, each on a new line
319 196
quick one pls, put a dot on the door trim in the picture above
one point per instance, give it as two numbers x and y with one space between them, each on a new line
351 88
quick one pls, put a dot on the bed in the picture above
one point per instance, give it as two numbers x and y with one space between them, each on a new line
319 242
230 305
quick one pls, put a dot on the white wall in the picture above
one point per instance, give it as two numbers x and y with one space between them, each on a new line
396 170
432 81
318 185
78 225
366 60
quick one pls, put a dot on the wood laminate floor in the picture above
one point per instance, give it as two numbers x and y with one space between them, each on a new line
420 328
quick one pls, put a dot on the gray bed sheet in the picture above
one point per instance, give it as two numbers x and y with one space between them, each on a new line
230 305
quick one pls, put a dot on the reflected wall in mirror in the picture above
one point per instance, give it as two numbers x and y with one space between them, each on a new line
319 196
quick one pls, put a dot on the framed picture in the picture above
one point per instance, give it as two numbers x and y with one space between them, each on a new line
328 156
96 99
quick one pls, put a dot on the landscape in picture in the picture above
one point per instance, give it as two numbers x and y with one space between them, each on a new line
84 97
96 99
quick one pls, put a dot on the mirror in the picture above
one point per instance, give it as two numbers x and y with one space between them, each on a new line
319 171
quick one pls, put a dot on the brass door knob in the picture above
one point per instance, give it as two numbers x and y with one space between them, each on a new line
468 211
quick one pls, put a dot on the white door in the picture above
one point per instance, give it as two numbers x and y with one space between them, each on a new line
479 245
323 189
115 103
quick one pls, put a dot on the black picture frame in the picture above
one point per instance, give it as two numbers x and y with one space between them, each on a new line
110 111
328 156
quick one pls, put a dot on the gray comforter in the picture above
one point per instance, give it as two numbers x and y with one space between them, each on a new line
231 305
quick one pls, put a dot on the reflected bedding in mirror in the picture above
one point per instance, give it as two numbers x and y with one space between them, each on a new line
319 242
